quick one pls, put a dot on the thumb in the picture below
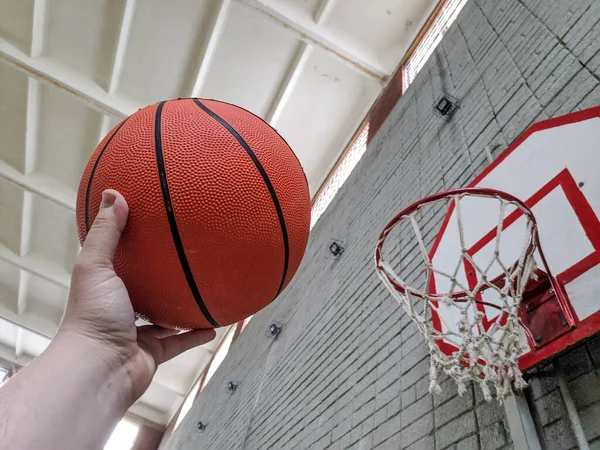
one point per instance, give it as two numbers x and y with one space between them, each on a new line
102 239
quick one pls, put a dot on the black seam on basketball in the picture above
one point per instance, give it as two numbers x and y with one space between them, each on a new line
257 117
266 124
89 186
164 186
265 178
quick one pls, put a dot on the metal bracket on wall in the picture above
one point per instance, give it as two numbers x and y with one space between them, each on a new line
231 387
445 106
273 330
335 249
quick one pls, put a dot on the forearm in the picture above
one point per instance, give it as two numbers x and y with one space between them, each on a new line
68 398
72 395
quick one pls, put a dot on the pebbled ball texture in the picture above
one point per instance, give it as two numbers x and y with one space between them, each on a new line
219 211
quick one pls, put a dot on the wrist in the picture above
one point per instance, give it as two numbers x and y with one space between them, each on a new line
92 388
100 363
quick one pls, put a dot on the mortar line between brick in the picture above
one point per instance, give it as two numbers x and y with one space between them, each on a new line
354 317
420 147
263 379
593 74
458 116
509 53
329 306
480 78
366 292
492 119
437 136
559 39
574 24
297 396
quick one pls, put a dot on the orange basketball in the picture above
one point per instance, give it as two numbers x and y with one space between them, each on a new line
219 211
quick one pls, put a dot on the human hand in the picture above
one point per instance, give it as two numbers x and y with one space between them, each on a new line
99 313
102 361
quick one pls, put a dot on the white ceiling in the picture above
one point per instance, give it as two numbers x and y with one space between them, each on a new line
71 69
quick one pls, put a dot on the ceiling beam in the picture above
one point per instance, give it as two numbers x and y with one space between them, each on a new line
49 272
31 151
22 291
38 28
284 92
32 125
26 223
305 29
66 80
36 324
32 119
7 353
19 342
122 43
289 83
214 33
41 185
142 409
141 420
104 127
323 10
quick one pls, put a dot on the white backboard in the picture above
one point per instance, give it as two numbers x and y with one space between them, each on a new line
554 167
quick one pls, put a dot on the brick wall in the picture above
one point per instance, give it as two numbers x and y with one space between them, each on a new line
348 369
580 370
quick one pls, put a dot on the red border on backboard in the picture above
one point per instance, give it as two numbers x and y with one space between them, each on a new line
589 221
583 211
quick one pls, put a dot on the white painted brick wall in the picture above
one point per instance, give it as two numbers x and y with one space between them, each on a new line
349 370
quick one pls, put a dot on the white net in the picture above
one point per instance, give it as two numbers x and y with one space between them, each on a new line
450 304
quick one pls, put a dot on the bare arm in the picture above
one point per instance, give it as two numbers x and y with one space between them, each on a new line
99 363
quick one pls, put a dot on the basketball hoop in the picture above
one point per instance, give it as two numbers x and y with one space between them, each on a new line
485 351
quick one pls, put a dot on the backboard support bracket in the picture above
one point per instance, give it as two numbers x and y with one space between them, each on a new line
542 312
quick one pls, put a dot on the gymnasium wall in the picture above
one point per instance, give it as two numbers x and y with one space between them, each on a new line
348 369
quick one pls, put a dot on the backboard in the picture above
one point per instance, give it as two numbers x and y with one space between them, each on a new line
554 168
